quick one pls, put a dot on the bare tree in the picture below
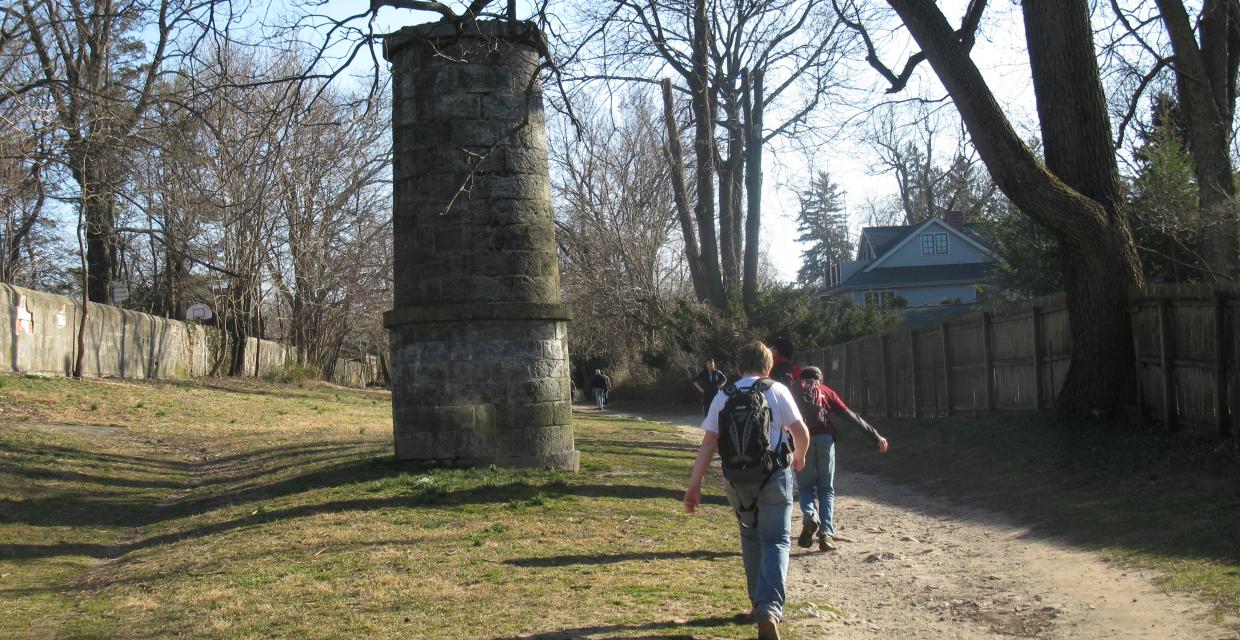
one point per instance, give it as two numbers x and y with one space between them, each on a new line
753 70
101 76
616 223
334 209
928 186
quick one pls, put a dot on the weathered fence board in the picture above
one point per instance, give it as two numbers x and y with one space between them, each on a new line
1017 358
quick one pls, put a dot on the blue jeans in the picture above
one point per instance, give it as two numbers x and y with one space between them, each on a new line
816 482
764 548
600 398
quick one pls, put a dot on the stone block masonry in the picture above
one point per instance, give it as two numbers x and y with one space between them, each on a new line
479 349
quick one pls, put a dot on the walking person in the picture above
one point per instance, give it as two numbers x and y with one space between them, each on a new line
784 370
818 403
757 430
601 385
708 382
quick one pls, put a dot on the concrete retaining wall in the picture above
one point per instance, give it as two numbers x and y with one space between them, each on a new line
38 334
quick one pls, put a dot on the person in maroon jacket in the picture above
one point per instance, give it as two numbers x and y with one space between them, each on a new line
816 481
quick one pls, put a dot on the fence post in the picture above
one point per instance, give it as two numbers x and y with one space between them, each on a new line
912 359
884 370
947 368
1166 354
1221 373
1134 312
989 359
1037 359
844 376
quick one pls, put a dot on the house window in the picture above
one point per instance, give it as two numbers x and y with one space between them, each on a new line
933 243
879 298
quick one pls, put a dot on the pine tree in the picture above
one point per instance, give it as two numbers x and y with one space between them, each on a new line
822 223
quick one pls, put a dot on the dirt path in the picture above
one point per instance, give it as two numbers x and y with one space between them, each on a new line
920 567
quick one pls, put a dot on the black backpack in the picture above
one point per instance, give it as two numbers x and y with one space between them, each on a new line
745 435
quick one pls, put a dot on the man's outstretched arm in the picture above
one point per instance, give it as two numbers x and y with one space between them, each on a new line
706 453
864 427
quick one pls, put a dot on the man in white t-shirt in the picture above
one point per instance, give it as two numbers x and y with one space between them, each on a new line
764 546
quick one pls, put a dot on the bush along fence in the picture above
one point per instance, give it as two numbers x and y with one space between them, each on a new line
1017 357
40 330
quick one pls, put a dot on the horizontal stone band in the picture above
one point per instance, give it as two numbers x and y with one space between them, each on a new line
477 311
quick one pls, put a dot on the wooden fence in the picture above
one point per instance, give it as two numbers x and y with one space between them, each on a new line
1017 357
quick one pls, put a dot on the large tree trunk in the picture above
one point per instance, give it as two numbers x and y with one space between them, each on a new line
1205 87
676 163
754 107
98 194
1102 265
1080 206
704 146
731 181
728 265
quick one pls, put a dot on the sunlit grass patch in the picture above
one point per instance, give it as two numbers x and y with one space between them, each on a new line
249 509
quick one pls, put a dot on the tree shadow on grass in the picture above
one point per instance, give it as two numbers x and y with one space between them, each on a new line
604 631
637 444
561 561
512 492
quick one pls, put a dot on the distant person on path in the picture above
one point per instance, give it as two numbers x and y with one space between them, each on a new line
816 482
602 386
784 371
708 382
757 430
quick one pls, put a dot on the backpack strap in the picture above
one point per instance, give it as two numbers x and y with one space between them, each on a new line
753 505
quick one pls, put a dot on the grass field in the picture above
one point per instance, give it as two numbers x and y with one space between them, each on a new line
242 509
1148 499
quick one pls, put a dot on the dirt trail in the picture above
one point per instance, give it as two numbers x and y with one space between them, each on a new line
921 567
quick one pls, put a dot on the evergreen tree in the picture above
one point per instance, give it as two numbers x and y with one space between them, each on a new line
1168 224
822 223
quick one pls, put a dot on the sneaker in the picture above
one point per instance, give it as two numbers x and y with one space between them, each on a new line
825 543
806 539
768 627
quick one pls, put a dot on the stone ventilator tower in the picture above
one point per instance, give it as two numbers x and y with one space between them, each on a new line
479 349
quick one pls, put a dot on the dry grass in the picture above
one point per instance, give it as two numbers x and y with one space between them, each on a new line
246 509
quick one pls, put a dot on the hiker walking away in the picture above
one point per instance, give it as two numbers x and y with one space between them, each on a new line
708 382
784 370
818 403
757 430
602 386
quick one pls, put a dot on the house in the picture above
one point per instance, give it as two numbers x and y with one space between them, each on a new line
937 262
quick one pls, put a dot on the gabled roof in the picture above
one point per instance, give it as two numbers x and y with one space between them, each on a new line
894 246
922 275
882 238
